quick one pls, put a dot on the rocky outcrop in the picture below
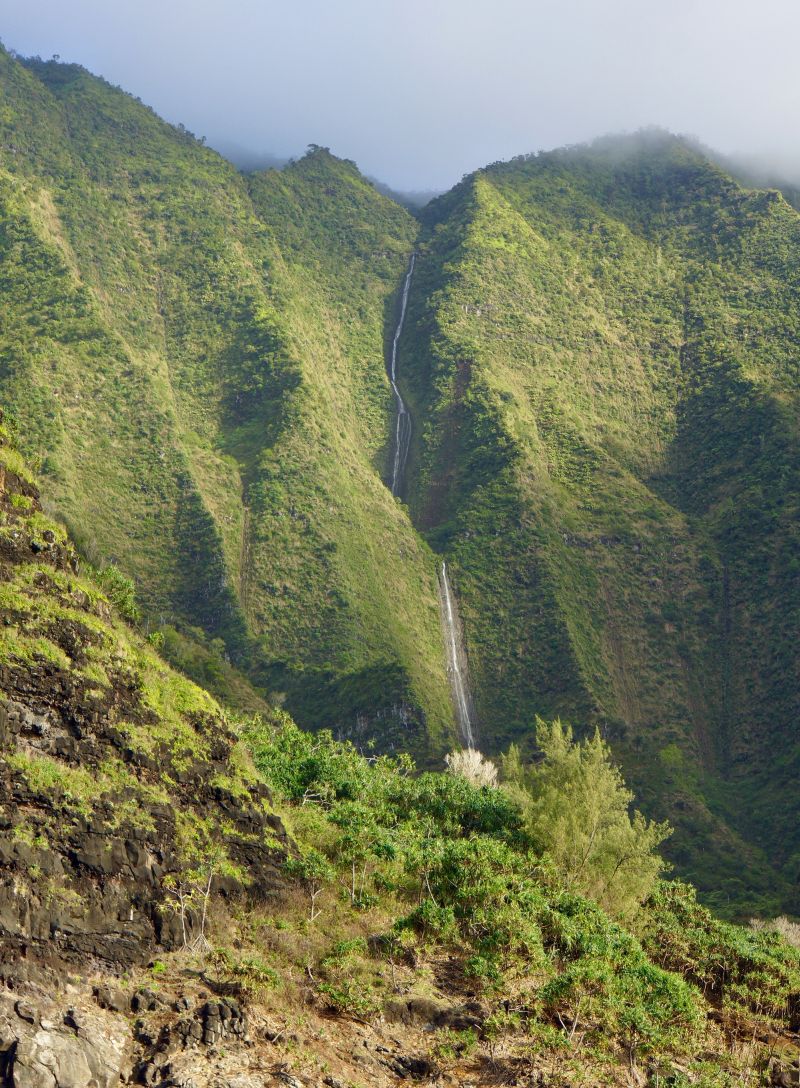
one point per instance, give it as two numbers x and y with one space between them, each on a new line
87 1044
44 1046
427 1012
121 784
89 884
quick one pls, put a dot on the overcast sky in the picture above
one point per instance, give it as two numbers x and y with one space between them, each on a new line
420 92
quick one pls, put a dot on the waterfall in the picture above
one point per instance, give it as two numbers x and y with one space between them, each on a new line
402 431
456 661
454 642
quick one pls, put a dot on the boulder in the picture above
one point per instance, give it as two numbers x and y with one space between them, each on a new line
44 1047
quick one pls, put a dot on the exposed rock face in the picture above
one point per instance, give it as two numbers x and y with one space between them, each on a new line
118 778
424 1010
212 1024
46 1047
90 886
81 1044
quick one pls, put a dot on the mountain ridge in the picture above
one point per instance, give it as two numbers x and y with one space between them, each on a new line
598 358
589 263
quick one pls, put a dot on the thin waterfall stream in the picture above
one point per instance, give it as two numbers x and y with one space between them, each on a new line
454 640
456 661
402 431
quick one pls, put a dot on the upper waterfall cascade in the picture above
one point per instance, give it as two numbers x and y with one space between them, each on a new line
456 654
402 431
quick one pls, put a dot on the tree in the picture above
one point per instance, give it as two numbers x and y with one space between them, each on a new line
315 871
577 810
360 844
189 894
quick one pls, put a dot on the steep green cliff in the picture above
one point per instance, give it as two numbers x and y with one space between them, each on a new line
197 362
600 360
604 351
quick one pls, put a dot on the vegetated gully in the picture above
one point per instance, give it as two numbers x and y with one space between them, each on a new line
453 636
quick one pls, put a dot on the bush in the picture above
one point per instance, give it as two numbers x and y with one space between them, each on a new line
758 972
469 764
463 864
315 871
249 974
120 590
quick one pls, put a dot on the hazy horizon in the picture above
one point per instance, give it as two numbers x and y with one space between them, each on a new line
420 93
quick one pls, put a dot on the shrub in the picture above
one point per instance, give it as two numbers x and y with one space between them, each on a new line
472 766
249 974
741 968
347 982
315 871
120 590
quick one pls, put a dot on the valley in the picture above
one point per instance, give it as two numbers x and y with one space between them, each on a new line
399 614
593 457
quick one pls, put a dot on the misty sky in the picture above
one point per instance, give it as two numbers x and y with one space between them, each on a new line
422 91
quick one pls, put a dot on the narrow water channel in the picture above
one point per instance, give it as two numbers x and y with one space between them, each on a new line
402 430
456 661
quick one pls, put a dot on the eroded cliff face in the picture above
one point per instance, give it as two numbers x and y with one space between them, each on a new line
122 786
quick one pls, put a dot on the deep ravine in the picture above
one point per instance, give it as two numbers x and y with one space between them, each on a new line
454 641
402 431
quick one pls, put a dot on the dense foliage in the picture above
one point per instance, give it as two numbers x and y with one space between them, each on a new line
459 869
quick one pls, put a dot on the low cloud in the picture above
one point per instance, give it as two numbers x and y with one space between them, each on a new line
421 92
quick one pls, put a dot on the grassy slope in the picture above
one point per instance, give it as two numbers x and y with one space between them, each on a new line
178 365
605 358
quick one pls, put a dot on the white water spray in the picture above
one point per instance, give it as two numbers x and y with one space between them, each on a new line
456 661
402 431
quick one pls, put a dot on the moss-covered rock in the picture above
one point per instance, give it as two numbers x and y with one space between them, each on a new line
120 778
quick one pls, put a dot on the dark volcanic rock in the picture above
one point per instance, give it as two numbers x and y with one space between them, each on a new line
53 1049
103 796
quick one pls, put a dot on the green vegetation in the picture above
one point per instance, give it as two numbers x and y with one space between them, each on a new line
601 347
576 810
431 865
120 590
742 969
195 359
600 361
